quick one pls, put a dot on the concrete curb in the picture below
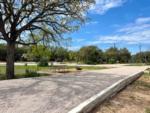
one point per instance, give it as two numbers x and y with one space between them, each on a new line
92 102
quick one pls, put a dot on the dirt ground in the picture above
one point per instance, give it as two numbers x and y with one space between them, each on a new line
134 99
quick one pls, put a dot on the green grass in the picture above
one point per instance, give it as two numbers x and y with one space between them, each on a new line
142 83
20 71
92 68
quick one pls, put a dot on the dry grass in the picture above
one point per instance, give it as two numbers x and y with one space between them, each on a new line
134 99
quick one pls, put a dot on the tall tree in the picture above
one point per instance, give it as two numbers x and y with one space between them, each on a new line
20 18
125 55
61 54
112 55
142 57
90 55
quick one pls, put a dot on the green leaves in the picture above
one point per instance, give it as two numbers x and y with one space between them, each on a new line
90 55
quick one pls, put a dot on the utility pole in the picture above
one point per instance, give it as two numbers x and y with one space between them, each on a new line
140 49
114 45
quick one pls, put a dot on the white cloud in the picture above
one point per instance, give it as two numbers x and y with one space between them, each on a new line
92 22
133 33
140 24
143 20
134 28
78 40
103 6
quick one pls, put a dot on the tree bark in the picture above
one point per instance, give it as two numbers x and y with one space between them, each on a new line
10 60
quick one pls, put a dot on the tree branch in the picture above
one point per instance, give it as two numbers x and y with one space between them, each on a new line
23 43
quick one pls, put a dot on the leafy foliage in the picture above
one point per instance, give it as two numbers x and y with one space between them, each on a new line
43 62
61 54
36 53
141 57
90 55
125 55
30 73
50 18
112 55
115 55
21 21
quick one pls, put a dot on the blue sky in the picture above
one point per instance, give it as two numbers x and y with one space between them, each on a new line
123 22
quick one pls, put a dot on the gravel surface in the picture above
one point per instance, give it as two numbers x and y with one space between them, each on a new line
57 94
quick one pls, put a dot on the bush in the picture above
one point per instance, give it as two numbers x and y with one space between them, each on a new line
112 61
78 68
30 73
43 62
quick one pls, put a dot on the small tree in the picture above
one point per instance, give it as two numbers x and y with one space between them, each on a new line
21 18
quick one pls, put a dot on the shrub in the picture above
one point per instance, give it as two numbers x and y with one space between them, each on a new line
78 68
43 62
112 61
30 73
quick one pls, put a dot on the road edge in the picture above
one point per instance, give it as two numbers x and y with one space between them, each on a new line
97 99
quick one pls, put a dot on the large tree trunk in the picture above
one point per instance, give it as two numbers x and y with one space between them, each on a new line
10 60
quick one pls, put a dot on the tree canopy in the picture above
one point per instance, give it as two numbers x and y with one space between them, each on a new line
52 18
90 55
32 21
112 55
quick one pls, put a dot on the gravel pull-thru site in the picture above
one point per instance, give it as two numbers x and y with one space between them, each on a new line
58 94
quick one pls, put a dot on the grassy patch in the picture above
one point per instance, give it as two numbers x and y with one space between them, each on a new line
31 71
92 67
22 71
147 110
134 99
143 82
